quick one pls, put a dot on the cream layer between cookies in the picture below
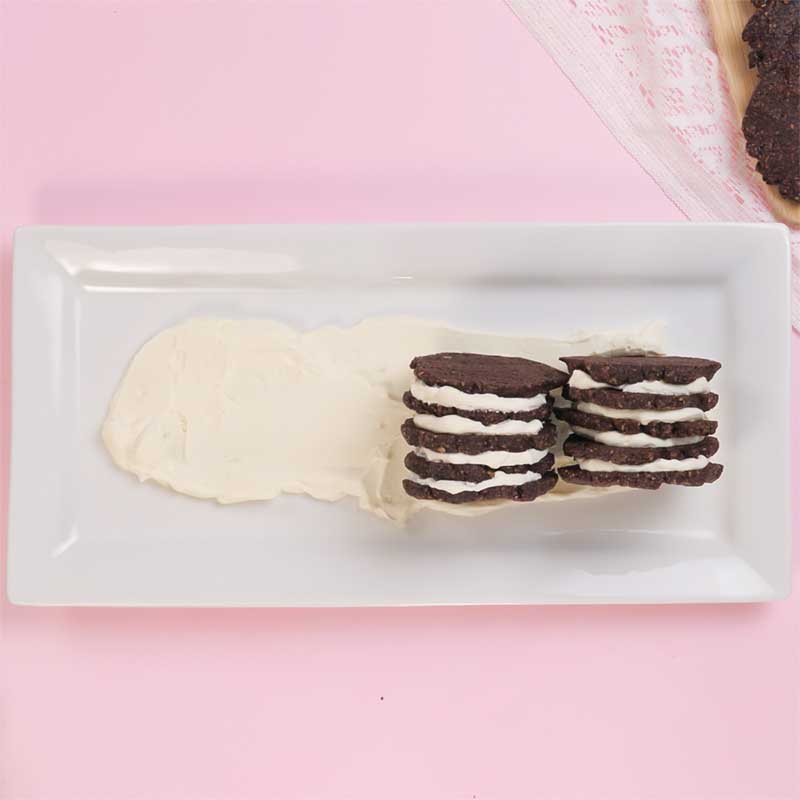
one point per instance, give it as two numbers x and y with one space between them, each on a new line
450 397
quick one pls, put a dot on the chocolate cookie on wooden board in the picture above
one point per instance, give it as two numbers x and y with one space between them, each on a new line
475 373
614 398
771 123
484 417
471 473
660 430
771 126
773 34
579 448
525 492
475 443
620 370
641 480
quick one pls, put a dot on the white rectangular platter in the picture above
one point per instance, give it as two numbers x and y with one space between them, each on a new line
82 532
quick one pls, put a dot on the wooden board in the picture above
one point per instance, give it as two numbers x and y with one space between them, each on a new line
728 18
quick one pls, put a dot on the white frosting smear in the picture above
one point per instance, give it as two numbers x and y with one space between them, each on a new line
644 415
494 459
455 424
239 410
633 439
582 380
500 479
659 465
454 398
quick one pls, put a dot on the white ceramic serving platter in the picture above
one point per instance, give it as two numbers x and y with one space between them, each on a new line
83 532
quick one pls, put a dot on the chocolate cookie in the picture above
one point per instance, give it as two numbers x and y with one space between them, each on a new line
641 480
771 123
771 126
619 370
614 398
579 448
773 33
474 443
485 417
661 430
523 493
475 373
471 473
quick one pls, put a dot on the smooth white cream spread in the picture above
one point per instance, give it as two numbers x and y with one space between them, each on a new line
451 397
499 479
240 410
494 459
633 439
455 424
643 415
582 380
659 465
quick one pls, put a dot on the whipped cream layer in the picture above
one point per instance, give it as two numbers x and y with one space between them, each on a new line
494 459
500 479
617 439
451 397
582 380
659 465
461 425
644 415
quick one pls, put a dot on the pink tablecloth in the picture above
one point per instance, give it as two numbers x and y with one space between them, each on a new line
131 112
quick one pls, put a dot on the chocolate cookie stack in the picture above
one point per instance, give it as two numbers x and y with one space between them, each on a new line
640 421
481 428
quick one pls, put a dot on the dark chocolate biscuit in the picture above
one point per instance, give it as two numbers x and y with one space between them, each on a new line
474 373
523 493
661 430
614 398
641 480
618 370
485 417
771 123
474 443
579 448
471 473
773 33
771 126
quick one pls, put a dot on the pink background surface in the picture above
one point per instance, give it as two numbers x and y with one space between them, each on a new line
351 111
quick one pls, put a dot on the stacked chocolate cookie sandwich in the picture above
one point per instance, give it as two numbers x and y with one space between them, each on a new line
481 428
640 421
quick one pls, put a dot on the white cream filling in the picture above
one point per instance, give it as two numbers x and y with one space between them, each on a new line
633 439
454 398
659 465
494 459
582 380
500 479
644 415
458 425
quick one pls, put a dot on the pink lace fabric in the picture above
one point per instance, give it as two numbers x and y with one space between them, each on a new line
650 71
